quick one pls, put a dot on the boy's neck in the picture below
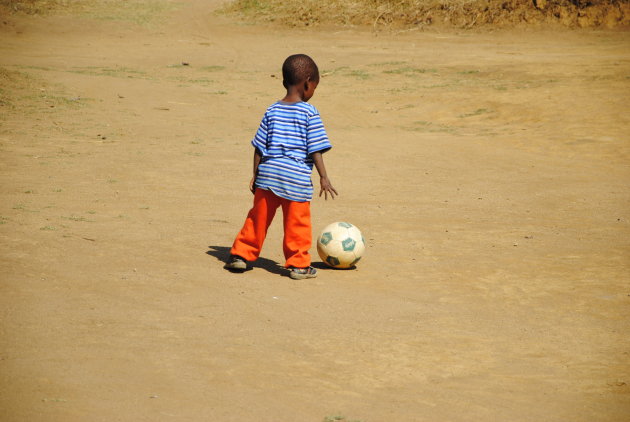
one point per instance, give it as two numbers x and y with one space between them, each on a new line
288 101
302 91
294 95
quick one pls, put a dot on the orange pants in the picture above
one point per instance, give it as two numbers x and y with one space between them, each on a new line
297 229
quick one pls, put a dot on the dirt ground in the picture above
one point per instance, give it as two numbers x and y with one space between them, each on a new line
489 173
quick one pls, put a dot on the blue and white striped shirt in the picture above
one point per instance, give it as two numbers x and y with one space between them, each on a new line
288 134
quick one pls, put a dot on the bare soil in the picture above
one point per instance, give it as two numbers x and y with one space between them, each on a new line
489 173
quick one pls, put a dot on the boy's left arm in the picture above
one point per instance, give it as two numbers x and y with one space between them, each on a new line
257 158
325 186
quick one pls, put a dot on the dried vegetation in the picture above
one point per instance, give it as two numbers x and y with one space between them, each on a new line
420 13
35 7
140 12
381 13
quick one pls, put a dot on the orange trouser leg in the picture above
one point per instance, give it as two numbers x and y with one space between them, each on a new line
249 241
297 233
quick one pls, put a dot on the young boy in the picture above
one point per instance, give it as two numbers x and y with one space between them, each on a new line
290 139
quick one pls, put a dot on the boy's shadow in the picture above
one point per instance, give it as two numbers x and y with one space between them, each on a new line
222 253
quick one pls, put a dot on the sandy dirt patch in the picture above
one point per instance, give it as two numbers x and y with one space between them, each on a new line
488 172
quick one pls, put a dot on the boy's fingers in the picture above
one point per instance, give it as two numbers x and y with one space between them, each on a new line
327 190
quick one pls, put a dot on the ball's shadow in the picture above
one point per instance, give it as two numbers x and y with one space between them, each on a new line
322 266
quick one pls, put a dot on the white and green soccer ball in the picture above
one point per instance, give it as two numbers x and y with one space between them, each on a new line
340 245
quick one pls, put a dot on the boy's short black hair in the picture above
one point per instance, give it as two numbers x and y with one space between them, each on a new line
298 68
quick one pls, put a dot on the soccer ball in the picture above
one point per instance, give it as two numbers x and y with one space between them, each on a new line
340 245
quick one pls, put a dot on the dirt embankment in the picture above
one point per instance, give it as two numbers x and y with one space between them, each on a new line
457 13
394 13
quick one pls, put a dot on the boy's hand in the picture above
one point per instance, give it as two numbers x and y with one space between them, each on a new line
252 185
326 188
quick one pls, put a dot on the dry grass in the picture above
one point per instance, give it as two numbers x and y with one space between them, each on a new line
418 13
35 7
142 12
375 13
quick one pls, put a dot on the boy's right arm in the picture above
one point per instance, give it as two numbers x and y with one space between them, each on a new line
325 186
257 158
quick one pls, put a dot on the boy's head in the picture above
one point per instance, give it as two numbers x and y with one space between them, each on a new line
297 69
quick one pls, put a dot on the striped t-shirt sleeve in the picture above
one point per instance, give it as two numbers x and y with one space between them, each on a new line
260 140
316 137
